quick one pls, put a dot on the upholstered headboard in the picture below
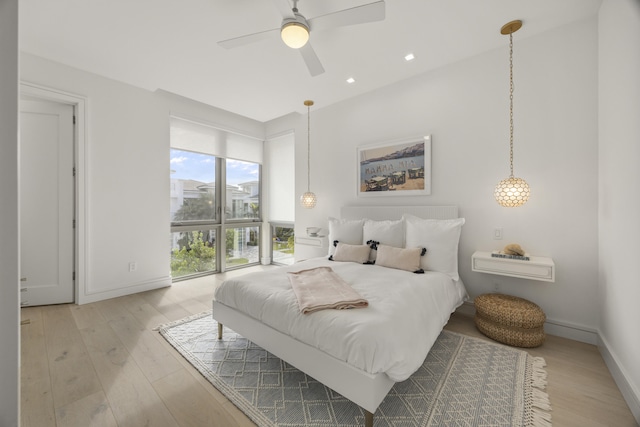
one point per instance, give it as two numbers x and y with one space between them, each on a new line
395 212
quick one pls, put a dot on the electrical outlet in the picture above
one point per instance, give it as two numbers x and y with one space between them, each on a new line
133 266
496 287
497 233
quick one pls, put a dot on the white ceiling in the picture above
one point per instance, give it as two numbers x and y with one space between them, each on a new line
172 44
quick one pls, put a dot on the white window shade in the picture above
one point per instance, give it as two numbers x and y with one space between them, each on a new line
280 159
191 136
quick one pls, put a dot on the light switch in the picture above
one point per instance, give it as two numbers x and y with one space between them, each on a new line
497 233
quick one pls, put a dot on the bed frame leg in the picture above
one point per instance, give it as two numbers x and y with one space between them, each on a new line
368 419
220 331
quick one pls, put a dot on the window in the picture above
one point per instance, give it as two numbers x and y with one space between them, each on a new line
193 253
280 154
242 242
193 205
203 181
243 190
282 245
193 192
242 246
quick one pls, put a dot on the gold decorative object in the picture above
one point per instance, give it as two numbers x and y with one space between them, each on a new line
513 249
511 192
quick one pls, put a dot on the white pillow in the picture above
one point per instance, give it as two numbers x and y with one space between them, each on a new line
351 253
400 258
440 237
345 231
386 232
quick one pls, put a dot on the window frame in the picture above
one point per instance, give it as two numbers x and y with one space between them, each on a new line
221 223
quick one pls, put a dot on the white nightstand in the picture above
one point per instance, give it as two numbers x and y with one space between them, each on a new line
318 241
311 247
536 268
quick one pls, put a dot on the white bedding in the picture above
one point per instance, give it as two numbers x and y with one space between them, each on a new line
393 335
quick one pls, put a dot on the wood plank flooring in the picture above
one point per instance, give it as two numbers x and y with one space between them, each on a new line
101 364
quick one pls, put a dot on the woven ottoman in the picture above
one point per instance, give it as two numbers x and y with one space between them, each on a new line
510 320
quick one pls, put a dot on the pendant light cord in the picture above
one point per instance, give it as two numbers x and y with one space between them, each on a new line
308 147
511 103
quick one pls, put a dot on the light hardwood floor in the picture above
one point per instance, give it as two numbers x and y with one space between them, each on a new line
101 364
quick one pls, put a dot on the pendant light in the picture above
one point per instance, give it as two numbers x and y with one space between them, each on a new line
308 199
511 192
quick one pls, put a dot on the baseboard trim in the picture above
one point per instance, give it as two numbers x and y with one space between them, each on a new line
631 396
132 288
551 327
571 331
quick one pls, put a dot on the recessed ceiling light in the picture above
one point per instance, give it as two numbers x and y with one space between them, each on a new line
409 57
351 80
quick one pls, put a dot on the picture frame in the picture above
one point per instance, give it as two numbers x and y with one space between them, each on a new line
395 168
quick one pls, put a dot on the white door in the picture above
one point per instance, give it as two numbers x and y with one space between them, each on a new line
46 203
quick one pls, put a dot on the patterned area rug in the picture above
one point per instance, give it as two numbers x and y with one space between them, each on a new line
463 381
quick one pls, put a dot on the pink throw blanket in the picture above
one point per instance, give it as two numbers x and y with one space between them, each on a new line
321 288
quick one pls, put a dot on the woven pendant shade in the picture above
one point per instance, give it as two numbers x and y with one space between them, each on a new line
308 200
512 192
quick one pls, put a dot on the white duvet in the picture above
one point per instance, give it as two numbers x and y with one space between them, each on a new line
393 335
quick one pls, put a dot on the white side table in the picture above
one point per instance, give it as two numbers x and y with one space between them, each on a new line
310 247
318 242
536 268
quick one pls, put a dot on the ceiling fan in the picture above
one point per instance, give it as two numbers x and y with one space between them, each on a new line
295 28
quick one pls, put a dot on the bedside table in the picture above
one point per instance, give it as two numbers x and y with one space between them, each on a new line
310 247
537 268
317 241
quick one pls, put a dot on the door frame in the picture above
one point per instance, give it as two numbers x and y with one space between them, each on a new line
79 104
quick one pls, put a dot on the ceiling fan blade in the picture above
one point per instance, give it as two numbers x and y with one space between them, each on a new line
311 59
284 7
356 15
248 39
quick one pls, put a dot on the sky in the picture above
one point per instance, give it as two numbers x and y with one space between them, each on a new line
201 167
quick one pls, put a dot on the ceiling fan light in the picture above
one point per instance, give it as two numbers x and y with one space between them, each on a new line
294 34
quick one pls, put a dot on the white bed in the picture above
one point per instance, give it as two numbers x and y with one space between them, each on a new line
359 353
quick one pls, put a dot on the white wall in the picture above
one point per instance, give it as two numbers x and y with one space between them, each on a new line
127 176
9 274
619 205
465 107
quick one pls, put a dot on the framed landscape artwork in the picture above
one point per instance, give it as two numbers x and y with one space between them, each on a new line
395 168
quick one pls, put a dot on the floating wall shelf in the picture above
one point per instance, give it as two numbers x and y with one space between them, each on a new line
536 268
